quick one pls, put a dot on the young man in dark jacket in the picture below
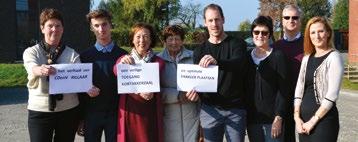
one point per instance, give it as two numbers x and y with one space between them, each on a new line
222 112
101 104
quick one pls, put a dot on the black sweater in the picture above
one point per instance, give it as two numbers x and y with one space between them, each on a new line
103 78
230 57
267 88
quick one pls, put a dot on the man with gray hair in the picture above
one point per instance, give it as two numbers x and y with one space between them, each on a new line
292 46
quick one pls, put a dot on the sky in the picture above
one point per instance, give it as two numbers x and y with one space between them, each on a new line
235 11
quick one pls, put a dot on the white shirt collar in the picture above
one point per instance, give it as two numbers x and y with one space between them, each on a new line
298 35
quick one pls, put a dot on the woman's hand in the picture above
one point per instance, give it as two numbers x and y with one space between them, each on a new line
309 125
192 96
44 70
207 60
146 96
299 123
127 59
276 129
93 92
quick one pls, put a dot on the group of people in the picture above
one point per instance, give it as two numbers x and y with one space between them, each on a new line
271 91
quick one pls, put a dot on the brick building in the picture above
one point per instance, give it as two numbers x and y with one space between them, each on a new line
19 27
353 32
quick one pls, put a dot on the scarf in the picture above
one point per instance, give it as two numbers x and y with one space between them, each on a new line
52 54
141 60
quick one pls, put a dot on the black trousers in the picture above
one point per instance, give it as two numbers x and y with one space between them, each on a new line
98 121
289 126
53 126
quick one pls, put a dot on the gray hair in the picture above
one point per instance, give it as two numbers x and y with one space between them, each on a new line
293 7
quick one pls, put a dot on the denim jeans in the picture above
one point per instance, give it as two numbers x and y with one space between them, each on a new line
262 133
216 122
97 122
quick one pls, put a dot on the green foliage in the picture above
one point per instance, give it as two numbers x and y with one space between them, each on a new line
245 25
311 8
126 13
103 5
156 12
12 75
346 84
120 36
340 16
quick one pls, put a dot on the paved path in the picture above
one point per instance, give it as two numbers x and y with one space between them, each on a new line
13 116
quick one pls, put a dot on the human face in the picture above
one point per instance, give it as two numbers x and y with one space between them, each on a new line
142 41
214 22
291 25
101 28
319 35
52 30
173 44
261 36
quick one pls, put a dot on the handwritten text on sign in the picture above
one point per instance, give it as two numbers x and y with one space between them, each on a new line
71 78
198 78
138 78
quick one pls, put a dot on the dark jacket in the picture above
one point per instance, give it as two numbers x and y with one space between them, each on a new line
230 57
267 88
103 78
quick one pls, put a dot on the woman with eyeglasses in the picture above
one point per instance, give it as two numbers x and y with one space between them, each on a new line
266 85
318 85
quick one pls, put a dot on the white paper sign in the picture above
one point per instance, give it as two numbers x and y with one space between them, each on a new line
198 78
71 78
138 78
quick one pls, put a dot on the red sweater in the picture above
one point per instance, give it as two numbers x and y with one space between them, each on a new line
140 120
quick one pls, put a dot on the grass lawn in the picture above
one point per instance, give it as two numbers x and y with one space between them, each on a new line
346 84
12 75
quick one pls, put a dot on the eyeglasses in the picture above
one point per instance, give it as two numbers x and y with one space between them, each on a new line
263 33
293 17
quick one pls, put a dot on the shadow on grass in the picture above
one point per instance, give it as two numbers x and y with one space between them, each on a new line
9 96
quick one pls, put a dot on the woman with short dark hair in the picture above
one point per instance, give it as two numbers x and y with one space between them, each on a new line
266 85
140 117
52 117
181 109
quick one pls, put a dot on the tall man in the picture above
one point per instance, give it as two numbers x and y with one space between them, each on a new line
101 103
292 47
222 112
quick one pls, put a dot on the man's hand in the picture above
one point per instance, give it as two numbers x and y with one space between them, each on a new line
207 60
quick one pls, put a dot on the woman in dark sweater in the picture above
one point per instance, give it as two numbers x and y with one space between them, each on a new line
267 90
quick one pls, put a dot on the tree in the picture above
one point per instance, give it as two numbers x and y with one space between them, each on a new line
156 12
273 8
340 15
188 15
128 12
103 5
245 25
311 8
